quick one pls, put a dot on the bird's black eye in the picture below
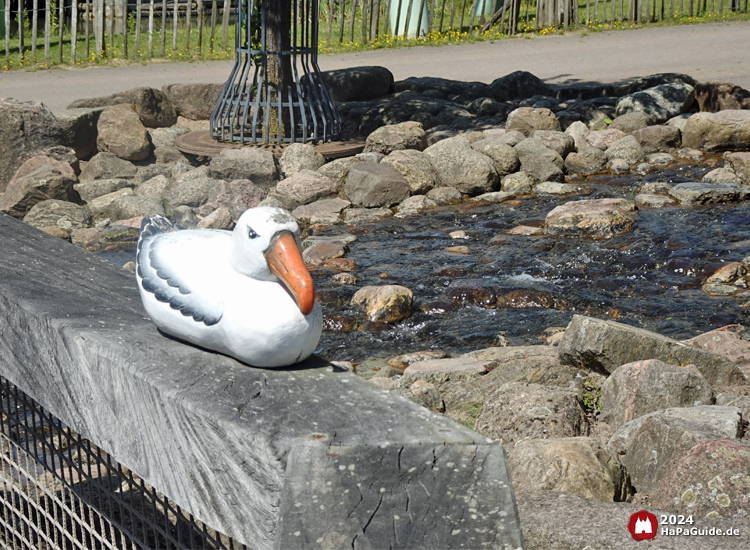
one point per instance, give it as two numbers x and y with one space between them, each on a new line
251 234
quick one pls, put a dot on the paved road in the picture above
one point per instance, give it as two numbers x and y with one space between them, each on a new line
707 52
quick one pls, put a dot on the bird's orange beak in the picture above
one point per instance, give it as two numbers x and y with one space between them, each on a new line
285 261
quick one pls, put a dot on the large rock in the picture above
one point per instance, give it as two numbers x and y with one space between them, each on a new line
79 127
718 131
649 444
602 346
193 193
627 149
660 102
741 165
300 156
529 119
416 168
25 129
45 183
710 479
66 215
388 303
121 132
256 165
563 144
193 101
504 156
719 96
124 204
602 139
304 187
632 121
323 211
539 161
397 137
165 137
726 341
153 107
90 190
578 465
658 138
372 185
358 83
597 218
104 166
35 163
337 170
462 167
518 85
234 196
588 160
638 388
696 192
516 411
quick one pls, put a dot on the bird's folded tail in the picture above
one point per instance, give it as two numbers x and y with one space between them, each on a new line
157 224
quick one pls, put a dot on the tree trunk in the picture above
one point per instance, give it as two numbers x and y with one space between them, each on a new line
278 66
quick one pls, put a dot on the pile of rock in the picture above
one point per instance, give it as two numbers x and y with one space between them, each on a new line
612 414
110 161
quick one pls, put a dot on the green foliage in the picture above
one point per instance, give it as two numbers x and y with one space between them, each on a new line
473 410
591 396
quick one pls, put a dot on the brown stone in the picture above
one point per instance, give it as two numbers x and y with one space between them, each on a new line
718 96
389 303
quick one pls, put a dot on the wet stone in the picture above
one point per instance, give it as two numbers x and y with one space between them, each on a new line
526 299
470 292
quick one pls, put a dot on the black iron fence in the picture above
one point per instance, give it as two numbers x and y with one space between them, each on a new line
81 31
59 491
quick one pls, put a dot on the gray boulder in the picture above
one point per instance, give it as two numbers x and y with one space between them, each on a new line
627 149
25 129
153 107
304 187
121 132
193 101
416 168
665 435
503 155
90 190
373 185
464 168
158 185
588 160
579 132
338 169
563 144
597 218
300 156
256 165
578 465
124 204
107 166
718 131
358 83
642 387
740 163
165 137
519 182
658 138
602 139
45 183
67 215
695 193
149 171
660 102
79 127
632 121
323 211
234 196
602 346
193 193
518 85
529 119
516 411
397 137
539 161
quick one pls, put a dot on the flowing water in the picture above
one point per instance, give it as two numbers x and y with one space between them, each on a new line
649 277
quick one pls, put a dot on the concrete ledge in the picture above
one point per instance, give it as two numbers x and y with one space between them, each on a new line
307 457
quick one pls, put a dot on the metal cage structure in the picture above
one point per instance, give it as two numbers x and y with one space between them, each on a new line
276 93
58 491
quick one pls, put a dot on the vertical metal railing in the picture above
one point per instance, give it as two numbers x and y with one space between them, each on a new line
59 491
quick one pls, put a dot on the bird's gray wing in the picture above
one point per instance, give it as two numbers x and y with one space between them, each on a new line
179 268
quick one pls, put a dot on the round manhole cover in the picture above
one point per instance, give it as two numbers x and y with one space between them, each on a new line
202 144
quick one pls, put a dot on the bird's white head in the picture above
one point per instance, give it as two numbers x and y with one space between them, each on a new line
266 246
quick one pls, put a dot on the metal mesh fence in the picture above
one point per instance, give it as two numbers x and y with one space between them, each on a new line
59 491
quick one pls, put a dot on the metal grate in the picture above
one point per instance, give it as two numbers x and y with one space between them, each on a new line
58 491
276 93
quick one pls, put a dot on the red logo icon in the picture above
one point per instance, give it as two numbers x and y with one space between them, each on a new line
643 525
